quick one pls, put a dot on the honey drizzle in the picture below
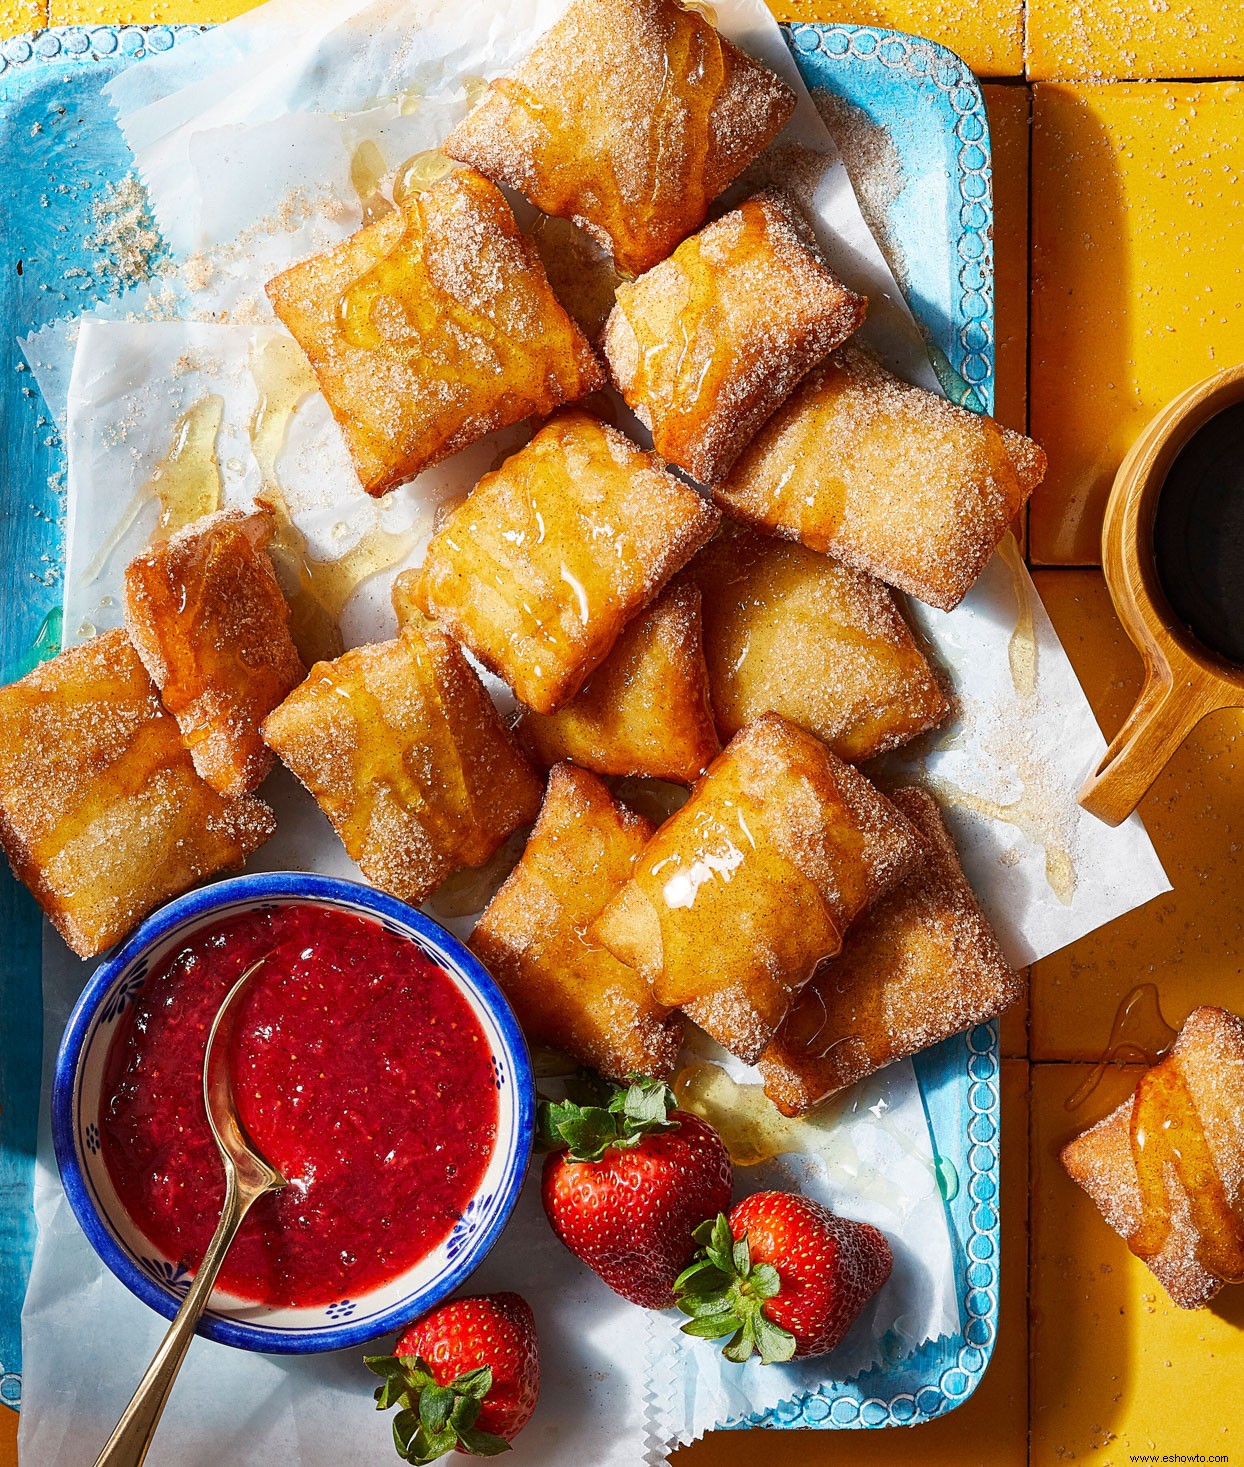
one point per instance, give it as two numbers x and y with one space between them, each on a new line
693 73
1139 1034
1168 1135
679 374
186 483
418 173
401 286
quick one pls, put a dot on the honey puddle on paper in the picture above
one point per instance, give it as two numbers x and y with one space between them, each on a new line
1027 816
185 483
1022 650
367 172
748 1122
317 590
1139 1035
755 1131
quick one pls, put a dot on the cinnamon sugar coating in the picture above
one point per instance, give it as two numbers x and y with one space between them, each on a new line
629 117
431 327
102 814
921 965
708 343
207 617
1166 1168
569 992
887 477
405 753
747 888
645 710
800 634
554 552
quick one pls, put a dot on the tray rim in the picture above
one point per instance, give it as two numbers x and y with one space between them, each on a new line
967 372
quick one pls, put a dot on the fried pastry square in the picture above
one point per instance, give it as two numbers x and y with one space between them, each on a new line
1166 1168
569 992
796 633
645 710
431 327
405 753
207 617
921 965
102 814
629 117
746 889
707 344
889 478
554 552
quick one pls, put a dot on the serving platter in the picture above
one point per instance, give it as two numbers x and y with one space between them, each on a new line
916 106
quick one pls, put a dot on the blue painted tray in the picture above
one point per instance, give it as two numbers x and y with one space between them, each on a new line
58 148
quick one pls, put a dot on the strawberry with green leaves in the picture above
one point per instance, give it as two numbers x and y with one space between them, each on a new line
628 1182
465 1378
784 1277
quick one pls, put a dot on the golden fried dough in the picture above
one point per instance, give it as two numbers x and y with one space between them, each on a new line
1166 1168
207 617
796 633
921 965
406 755
746 889
629 117
432 327
101 812
554 552
707 344
569 992
645 710
889 478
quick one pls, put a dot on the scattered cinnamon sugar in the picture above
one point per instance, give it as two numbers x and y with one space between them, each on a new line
125 233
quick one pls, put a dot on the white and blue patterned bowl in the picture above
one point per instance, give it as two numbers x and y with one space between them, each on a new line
162 1283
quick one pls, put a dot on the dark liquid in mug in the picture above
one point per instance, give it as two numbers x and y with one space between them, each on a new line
1198 534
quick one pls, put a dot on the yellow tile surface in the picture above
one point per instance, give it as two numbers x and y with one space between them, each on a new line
17 16
1137 278
991 1428
1101 38
1189 942
1116 1368
1008 109
146 12
989 36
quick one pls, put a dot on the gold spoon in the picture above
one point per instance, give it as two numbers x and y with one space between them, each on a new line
247 1177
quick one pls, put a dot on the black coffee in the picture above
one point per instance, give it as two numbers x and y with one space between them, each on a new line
1198 534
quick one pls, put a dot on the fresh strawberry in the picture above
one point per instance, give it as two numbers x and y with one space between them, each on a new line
783 1276
465 1376
635 1179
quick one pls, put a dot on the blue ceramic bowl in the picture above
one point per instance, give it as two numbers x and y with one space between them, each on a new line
162 1282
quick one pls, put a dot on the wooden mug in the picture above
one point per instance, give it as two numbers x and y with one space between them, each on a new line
1184 680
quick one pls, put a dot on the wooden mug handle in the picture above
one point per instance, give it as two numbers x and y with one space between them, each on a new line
1165 714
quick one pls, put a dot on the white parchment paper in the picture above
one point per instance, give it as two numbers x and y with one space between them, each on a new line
244 140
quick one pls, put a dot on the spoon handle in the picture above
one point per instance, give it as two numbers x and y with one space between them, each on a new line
128 1444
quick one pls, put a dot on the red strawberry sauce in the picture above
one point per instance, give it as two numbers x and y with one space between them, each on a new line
361 1073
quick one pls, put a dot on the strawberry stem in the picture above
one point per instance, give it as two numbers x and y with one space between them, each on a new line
725 1293
588 1131
434 1418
